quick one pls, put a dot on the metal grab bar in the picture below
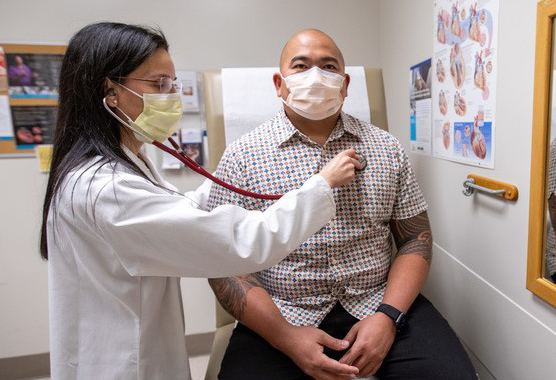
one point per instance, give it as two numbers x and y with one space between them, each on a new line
489 186
469 185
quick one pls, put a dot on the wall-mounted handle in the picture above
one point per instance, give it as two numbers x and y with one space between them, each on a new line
489 186
469 185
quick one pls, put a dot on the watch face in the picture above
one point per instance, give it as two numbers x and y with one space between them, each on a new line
400 320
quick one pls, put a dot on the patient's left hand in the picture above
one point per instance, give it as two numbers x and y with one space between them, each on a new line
370 339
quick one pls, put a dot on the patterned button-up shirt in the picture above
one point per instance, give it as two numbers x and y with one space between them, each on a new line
349 259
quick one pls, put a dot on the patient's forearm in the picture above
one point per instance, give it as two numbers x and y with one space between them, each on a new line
246 299
405 280
231 292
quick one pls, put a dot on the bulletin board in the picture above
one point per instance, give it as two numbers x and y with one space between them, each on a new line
29 77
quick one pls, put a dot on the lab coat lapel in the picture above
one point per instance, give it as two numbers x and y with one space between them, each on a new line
145 164
152 169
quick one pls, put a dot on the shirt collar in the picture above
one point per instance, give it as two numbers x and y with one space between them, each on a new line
285 130
349 125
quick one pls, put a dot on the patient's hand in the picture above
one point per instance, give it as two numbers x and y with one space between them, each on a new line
371 339
305 345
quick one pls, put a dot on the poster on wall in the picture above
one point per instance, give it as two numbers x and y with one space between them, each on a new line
6 126
29 76
33 125
3 71
33 75
464 81
420 107
192 144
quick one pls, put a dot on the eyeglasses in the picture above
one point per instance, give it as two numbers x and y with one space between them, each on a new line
165 84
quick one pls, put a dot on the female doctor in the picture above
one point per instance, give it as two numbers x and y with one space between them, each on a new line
118 237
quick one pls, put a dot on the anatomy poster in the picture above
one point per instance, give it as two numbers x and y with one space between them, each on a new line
420 107
464 81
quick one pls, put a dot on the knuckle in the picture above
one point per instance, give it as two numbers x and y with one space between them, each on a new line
375 354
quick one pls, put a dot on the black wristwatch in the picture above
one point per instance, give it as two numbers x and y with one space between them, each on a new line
397 316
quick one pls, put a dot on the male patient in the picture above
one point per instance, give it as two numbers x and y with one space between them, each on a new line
335 308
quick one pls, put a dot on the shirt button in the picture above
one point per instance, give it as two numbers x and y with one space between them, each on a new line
331 224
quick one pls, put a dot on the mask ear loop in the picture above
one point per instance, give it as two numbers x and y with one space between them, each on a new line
130 126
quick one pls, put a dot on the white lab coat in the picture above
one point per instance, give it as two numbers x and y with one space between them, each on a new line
117 247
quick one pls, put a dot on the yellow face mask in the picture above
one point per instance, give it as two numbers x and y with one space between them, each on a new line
159 119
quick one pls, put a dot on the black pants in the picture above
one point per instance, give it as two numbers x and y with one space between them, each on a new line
426 349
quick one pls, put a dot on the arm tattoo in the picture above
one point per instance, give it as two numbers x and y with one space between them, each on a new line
231 292
413 236
552 210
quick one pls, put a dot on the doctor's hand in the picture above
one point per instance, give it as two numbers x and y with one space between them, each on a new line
305 346
341 169
371 339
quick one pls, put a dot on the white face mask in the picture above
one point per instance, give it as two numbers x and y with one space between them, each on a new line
315 93
159 119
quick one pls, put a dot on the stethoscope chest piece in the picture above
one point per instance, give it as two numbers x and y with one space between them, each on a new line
363 162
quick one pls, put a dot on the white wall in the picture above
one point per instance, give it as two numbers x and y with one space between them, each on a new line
479 269
203 35
478 275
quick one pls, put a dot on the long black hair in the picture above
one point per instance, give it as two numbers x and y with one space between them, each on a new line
84 129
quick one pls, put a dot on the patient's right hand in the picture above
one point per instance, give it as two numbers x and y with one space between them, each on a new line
341 169
305 345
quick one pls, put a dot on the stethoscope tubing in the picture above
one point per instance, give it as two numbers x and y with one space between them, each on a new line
180 155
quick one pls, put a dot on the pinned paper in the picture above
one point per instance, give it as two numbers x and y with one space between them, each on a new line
44 156
6 128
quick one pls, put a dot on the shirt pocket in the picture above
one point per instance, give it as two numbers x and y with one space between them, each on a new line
376 190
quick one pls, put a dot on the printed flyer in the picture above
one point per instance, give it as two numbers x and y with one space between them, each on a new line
420 108
33 125
34 75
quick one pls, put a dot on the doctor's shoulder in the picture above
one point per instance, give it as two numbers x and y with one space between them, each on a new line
98 178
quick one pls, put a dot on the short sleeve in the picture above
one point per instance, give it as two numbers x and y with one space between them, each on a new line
409 199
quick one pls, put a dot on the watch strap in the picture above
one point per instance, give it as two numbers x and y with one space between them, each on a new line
397 316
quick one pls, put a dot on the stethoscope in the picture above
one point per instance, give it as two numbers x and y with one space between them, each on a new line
178 153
